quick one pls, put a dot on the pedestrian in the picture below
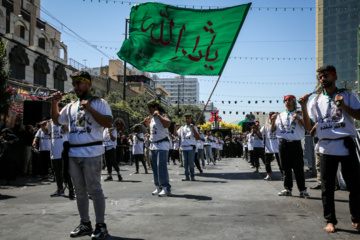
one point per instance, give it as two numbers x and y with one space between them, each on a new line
86 119
28 137
138 148
334 111
188 135
159 147
43 137
147 150
250 144
258 145
200 148
290 130
271 148
207 147
110 142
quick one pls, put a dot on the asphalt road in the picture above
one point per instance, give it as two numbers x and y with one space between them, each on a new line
228 201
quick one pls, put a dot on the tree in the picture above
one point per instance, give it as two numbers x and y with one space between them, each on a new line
5 92
178 116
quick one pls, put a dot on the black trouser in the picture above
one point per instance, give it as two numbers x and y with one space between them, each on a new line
268 160
197 162
246 154
110 159
292 158
350 171
213 150
171 155
137 158
58 167
251 154
258 153
174 155
44 162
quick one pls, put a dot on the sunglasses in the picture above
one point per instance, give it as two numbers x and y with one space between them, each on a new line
287 100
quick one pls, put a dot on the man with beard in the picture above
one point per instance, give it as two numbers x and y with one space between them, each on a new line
333 111
86 119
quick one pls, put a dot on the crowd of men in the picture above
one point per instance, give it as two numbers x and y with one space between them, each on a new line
81 139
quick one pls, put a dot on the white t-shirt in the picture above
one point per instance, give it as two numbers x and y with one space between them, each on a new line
257 142
108 143
176 144
44 140
200 143
207 140
138 146
221 144
58 137
170 143
250 141
158 132
271 140
333 122
83 128
187 137
213 144
289 128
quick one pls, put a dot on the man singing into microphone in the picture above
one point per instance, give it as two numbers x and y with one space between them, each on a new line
86 119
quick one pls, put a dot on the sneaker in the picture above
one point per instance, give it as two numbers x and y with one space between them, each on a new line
267 178
285 192
109 178
156 192
100 231
82 230
252 167
204 167
304 194
72 195
119 178
164 192
58 193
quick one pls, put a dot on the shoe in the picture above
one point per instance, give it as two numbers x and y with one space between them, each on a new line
156 192
58 193
146 172
72 195
185 179
175 163
256 171
201 171
267 178
193 180
119 178
214 163
136 172
82 230
109 178
337 187
100 231
204 167
304 194
317 187
164 192
181 165
285 192
252 167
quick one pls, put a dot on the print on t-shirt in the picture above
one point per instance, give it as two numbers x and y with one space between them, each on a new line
333 120
81 124
288 127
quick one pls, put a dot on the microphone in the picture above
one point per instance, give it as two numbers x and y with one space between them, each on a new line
63 94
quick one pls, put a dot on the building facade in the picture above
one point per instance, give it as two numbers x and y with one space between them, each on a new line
337 39
183 91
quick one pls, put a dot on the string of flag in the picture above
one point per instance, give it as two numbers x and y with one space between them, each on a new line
275 9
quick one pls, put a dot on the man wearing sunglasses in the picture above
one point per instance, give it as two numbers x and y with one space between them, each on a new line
333 112
289 127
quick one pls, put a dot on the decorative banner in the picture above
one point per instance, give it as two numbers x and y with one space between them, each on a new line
166 38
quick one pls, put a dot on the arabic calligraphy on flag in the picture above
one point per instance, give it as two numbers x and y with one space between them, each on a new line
165 38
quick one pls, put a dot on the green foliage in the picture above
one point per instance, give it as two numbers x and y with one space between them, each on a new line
179 118
114 97
4 74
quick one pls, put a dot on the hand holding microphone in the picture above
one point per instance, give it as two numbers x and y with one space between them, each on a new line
58 95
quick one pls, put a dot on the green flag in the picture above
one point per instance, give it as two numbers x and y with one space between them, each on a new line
165 38
241 123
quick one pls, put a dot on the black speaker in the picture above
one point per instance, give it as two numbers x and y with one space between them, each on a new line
246 126
35 111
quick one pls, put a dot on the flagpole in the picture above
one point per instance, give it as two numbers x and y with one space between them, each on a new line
208 101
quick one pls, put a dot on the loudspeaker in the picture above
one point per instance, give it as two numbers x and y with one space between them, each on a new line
35 111
246 126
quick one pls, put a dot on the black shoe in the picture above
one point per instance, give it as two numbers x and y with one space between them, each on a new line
317 187
58 193
119 177
100 231
109 178
72 195
337 187
185 179
82 230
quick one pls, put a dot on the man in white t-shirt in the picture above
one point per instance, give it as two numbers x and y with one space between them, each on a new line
44 138
138 148
110 143
188 135
200 148
86 119
207 147
334 111
289 127
271 148
250 143
258 145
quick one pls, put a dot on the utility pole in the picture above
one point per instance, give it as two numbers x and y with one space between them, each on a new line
124 87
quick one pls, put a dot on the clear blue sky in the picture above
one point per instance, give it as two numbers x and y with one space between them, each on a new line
269 34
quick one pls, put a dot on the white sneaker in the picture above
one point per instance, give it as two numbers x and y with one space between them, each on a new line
268 178
156 192
164 192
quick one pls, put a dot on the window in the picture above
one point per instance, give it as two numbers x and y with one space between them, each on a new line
59 85
41 43
22 32
17 70
39 78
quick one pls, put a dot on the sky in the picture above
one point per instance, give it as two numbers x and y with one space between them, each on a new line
274 54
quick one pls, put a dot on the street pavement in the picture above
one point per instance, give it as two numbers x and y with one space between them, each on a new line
228 201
